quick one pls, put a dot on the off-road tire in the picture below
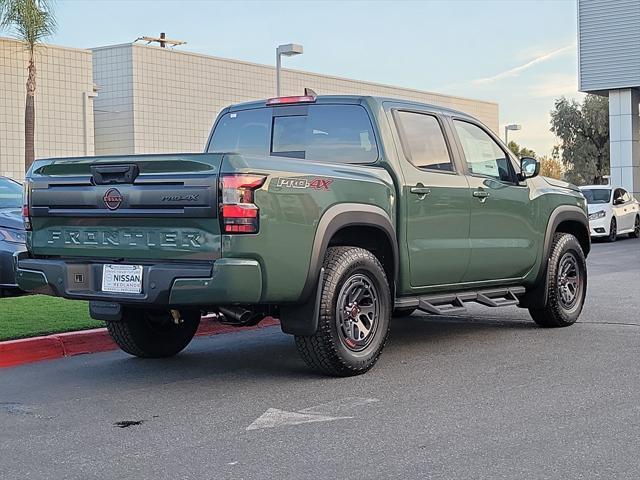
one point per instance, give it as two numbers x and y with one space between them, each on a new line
326 351
555 313
636 228
613 231
153 334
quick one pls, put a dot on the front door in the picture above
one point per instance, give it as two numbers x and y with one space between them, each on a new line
436 201
622 208
503 238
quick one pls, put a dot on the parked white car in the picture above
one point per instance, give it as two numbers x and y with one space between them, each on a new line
612 212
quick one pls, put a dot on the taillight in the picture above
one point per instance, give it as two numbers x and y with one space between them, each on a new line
238 213
26 217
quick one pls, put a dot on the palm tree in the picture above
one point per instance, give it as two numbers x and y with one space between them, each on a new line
31 21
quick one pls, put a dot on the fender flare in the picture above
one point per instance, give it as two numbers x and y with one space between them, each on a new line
302 318
537 296
341 216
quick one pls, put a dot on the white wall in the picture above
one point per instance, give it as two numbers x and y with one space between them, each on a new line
624 139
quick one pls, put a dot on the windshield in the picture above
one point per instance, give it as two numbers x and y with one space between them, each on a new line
597 195
10 194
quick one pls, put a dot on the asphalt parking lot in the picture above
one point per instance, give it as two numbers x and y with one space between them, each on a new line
484 395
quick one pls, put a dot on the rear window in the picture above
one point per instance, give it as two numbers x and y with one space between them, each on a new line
10 194
328 133
597 195
246 132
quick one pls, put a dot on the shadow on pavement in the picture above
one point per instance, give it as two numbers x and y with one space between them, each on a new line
265 353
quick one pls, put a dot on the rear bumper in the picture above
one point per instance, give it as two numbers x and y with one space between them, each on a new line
224 282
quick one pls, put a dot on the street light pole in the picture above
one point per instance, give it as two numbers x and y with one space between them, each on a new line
288 50
512 126
278 66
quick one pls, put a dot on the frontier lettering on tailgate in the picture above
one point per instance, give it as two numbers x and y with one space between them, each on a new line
126 238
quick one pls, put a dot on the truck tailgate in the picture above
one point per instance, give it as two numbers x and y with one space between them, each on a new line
137 207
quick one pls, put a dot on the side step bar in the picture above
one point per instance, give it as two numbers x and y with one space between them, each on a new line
448 304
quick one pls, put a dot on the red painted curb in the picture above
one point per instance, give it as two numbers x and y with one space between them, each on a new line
17 352
59 345
85 341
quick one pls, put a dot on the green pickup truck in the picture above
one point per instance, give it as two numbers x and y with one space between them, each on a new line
331 213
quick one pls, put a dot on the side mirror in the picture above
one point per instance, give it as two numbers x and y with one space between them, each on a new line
529 168
618 201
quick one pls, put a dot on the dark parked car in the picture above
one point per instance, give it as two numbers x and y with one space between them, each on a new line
12 233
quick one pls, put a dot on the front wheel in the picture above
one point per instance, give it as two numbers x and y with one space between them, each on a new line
355 308
154 333
566 283
613 230
636 228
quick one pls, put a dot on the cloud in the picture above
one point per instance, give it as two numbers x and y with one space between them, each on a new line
512 72
555 85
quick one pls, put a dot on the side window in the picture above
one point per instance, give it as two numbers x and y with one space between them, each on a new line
423 141
626 197
618 194
482 154
327 133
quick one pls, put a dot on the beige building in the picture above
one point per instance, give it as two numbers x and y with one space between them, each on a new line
151 99
64 110
154 99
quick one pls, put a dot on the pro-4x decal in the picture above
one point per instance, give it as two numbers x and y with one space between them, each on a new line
314 183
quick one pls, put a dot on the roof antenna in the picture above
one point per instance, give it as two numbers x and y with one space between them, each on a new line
309 93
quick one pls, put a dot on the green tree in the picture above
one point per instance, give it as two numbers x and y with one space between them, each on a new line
583 130
30 21
520 151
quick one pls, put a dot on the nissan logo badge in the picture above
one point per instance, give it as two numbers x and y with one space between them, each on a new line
112 199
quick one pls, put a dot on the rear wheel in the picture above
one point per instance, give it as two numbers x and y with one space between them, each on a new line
613 230
154 333
354 318
636 228
566 283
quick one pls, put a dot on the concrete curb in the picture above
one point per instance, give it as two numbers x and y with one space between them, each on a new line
59 345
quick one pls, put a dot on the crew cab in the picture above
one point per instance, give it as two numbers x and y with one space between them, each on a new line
328 212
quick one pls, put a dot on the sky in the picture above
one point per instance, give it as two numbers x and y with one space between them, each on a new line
518 53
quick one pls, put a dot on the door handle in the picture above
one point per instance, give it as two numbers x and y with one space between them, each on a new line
421 191
481 194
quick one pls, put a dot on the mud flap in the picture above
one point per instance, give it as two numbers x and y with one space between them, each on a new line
303 319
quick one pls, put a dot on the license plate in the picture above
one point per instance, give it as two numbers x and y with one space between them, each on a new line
122 278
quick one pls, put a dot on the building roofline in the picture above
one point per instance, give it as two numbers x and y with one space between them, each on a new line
316 74
48 45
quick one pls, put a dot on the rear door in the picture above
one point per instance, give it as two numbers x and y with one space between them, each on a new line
502 228
141 207
435 196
